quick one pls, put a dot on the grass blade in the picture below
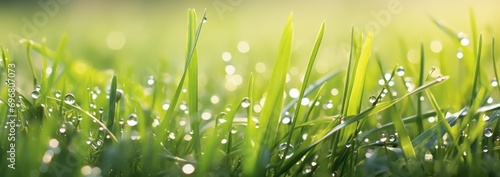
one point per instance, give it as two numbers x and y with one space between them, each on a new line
355 97
112 104
419 95
352 119
193 84
274 101
477 74
310 65
170 112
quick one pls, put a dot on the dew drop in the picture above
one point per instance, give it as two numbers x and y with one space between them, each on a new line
57 93
205 19
132 119
307 170
69 98
98 143
372 99
485 148
488 132
119 94
101 110
400 71
121 121
245 102
439 78
494 83
281 150
62 129
428 156
392 138
348 144
171 136
222 118
151 80
35 94
286 120
460 55
383 137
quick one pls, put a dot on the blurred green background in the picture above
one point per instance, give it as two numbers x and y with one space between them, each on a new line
134 38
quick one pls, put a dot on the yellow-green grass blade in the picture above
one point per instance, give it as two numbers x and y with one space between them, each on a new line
355 42
440 115
193 83
355 98
352 119
404 137
271 111
310 65
30 61
250 131
164 125
111 104
420 122
477 73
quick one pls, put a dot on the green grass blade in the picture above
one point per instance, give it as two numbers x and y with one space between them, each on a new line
112 104
440 115
250 131
404 137
494 60
352 119
310 65
347 79
271 111
420 122
193 84
477 72
30 61
170 112
355 98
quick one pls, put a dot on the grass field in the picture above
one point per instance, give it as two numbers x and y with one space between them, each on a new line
278 103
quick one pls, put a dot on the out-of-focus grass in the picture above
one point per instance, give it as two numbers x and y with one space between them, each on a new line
82 120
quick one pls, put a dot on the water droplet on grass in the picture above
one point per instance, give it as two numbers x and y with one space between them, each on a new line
205 19
62 129
488 132
69 98
392 138
101 110
286 120
460 55
383 137
171 136
57 93
372 99
132 119
400 71
119 94
307 169
245 102
121 121
281 150
348 144
151 80
494 83
485 148
35 94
